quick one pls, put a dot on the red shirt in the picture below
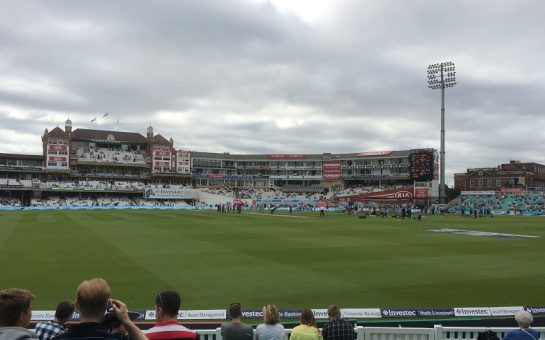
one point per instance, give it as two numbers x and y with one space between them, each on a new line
170 330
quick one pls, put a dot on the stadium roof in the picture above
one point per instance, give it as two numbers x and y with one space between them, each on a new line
21 156
57 133
158 139
102 135
302 157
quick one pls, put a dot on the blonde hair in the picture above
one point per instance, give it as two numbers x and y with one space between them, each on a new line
92 297
271 316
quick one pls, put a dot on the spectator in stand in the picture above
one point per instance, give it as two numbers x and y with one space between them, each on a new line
49 329
167 304
524 320
15 313
270 329
337 328
92 300
307 330
236 329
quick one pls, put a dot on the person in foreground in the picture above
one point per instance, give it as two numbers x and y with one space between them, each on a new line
15 313
92 300
167 304
524 321
236 329
337 328
270 329
307 330
49 329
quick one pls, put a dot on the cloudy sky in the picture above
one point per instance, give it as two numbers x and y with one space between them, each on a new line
280 76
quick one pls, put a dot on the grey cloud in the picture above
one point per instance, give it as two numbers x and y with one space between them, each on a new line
364 61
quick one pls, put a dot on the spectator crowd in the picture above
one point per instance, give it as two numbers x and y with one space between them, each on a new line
102 317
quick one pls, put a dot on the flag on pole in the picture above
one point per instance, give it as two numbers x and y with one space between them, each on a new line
94 119
105 115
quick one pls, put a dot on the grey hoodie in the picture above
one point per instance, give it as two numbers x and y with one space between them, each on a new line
16 333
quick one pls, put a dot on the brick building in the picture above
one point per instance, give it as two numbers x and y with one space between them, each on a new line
511 175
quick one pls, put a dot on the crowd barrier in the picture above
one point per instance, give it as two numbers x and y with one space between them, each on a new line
402 333
136 207
321 314
109 207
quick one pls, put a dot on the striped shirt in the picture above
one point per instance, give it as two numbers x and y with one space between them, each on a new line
170 330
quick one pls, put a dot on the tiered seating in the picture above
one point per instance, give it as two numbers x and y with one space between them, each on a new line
121 185
91 185
58 185
27 183
176 203
143 202
10 202
81 202
52 202
114 201
8 182
528 204
260 193
35 202
361 189
102 155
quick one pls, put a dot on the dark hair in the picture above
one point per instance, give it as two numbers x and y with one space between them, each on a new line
64 310
333 311
169 301
235 310
307 318
13 302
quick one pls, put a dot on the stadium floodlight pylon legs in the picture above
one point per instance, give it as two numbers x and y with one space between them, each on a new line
442 195
447 78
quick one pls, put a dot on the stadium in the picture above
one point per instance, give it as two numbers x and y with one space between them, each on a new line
99 168
127 207
326 170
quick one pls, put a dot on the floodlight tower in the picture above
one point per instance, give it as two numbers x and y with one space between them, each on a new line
441 76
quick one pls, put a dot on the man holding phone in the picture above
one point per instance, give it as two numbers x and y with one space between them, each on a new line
92 301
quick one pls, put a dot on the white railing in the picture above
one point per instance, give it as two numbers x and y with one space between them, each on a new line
403 333
471 333
396 333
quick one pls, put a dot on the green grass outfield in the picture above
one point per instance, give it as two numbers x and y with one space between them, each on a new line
214 259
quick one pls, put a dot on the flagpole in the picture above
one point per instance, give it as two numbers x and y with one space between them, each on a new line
107 115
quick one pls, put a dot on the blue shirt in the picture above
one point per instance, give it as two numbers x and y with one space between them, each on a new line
519 334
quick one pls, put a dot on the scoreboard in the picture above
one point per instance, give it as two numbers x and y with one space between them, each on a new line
422 166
